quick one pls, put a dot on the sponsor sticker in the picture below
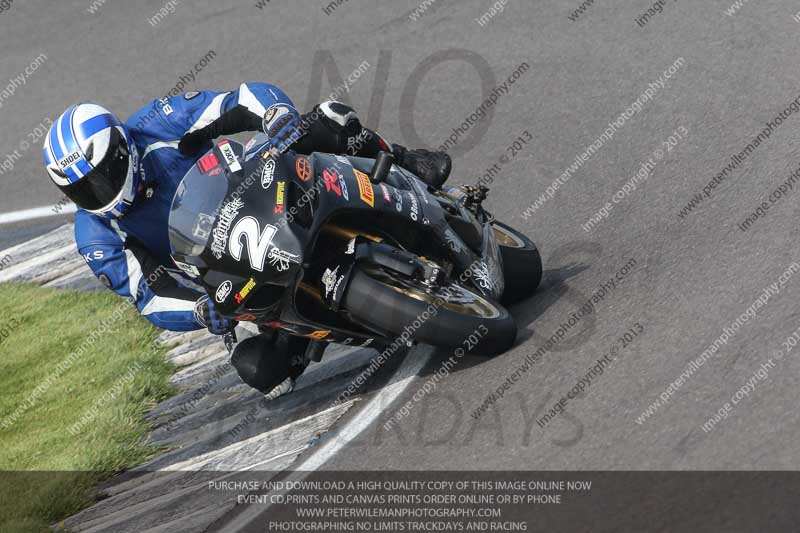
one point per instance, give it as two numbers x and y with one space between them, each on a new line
191 270
69 160
343 187
486 274
166 107
303 168
453 241
230 156
247 317
354 144
207 162
281 260
386 196
93 256
227 215
268 173
365 190
332 177
223 291
280 197
331 280
414 206
319 334
245 291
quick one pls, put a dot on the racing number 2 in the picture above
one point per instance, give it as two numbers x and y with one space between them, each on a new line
258 242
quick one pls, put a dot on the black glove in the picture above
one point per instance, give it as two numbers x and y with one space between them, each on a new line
207 315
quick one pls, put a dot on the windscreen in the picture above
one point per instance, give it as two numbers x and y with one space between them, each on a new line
194 209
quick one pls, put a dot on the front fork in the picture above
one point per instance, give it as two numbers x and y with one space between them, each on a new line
486 270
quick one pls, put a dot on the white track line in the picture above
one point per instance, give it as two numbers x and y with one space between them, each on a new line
413 363
36 212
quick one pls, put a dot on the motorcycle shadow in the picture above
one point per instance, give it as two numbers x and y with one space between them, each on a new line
553 289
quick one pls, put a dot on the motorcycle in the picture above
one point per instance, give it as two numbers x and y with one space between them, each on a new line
348 250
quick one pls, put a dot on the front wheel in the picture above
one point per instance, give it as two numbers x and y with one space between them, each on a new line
522 264
451 316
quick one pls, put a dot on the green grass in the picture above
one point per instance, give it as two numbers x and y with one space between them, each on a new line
49 467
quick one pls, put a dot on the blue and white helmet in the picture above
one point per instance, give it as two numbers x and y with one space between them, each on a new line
90 156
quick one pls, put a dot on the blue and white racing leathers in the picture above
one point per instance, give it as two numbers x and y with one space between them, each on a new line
131 255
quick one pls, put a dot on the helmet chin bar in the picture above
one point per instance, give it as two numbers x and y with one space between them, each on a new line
123 201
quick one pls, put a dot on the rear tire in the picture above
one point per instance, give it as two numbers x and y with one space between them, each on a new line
389 303
522 264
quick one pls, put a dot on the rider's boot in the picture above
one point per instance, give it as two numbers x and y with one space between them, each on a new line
432 167
271 362
297 365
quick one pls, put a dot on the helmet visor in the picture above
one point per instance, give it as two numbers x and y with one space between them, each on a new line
103 184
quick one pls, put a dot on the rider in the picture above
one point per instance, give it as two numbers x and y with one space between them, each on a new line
123 176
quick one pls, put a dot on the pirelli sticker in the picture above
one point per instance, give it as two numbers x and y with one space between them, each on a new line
365 190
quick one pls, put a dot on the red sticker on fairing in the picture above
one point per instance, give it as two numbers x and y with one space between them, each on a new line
332 177
303 168
207 162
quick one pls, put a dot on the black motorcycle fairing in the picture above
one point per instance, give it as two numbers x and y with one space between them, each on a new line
405 209
256 227
236 233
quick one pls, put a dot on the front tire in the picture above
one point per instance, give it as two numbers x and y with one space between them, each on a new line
392 303
522 264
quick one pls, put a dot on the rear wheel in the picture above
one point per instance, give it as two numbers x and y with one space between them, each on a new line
522 264
452 316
